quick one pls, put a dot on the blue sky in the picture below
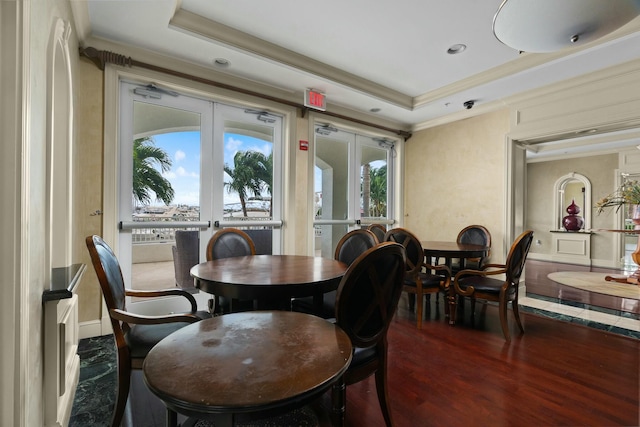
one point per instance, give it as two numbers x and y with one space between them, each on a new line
184 150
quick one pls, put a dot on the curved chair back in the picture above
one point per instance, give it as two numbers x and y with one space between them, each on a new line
517 257
379 230
229 242
107 268
477 235
412 246
353 244
368 294
366 301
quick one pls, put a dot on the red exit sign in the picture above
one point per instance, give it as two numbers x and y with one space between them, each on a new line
315 99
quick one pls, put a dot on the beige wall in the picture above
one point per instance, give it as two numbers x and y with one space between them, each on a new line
25 67
455 176
541 178
88 182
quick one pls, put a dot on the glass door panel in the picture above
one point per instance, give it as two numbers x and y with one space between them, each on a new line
374 183
164 139
352 184
251 174
333 191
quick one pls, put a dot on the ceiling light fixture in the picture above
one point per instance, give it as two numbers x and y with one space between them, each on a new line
456 48
551 25
221 62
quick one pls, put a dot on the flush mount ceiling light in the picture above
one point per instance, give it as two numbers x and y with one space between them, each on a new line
456 48
551 25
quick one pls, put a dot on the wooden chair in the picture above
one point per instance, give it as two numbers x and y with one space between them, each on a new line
379 230
135 335
229 242
366 301
226 243
421 279
477 283
477 235
349 247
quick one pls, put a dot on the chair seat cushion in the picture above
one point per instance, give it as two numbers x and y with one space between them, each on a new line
142 338
428 280
362 356
482 284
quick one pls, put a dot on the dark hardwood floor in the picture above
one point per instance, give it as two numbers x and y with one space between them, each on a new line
555 374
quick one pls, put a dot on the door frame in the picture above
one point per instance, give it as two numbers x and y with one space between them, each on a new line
113 74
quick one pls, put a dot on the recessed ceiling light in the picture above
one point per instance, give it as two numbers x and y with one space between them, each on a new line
456 48
221 62
375 110
585 131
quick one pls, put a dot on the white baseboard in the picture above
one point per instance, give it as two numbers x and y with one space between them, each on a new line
93 328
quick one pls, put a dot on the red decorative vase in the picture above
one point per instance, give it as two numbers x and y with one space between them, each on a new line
573 222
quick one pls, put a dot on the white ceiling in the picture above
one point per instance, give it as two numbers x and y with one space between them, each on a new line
363 54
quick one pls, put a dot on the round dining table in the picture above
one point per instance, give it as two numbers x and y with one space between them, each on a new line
245 366
449 250
269 279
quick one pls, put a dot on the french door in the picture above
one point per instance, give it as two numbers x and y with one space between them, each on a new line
352 184
190 163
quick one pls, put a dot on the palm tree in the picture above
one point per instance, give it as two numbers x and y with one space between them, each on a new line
378 190
244 179
146 178
264 173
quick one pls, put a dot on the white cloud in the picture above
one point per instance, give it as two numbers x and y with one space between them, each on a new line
233 144
181 171
180 155
169 175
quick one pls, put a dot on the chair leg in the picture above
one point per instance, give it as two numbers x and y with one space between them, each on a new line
338 402
452 307
503 320
383 398
446 305
411 299
124 382
516 314
419 305
472 301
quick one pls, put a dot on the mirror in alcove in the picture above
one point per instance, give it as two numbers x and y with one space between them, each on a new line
573 188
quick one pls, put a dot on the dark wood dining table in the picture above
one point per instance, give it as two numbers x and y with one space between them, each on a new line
450 250
243 366
270 279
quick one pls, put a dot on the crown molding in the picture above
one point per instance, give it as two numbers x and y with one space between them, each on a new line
205 28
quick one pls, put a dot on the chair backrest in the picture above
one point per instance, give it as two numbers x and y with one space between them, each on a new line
353 244
109 275
369 292
477 235
518 256
229 242
379 230
412 246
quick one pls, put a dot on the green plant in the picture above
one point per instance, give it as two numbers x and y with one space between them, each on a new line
147 180
627 194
